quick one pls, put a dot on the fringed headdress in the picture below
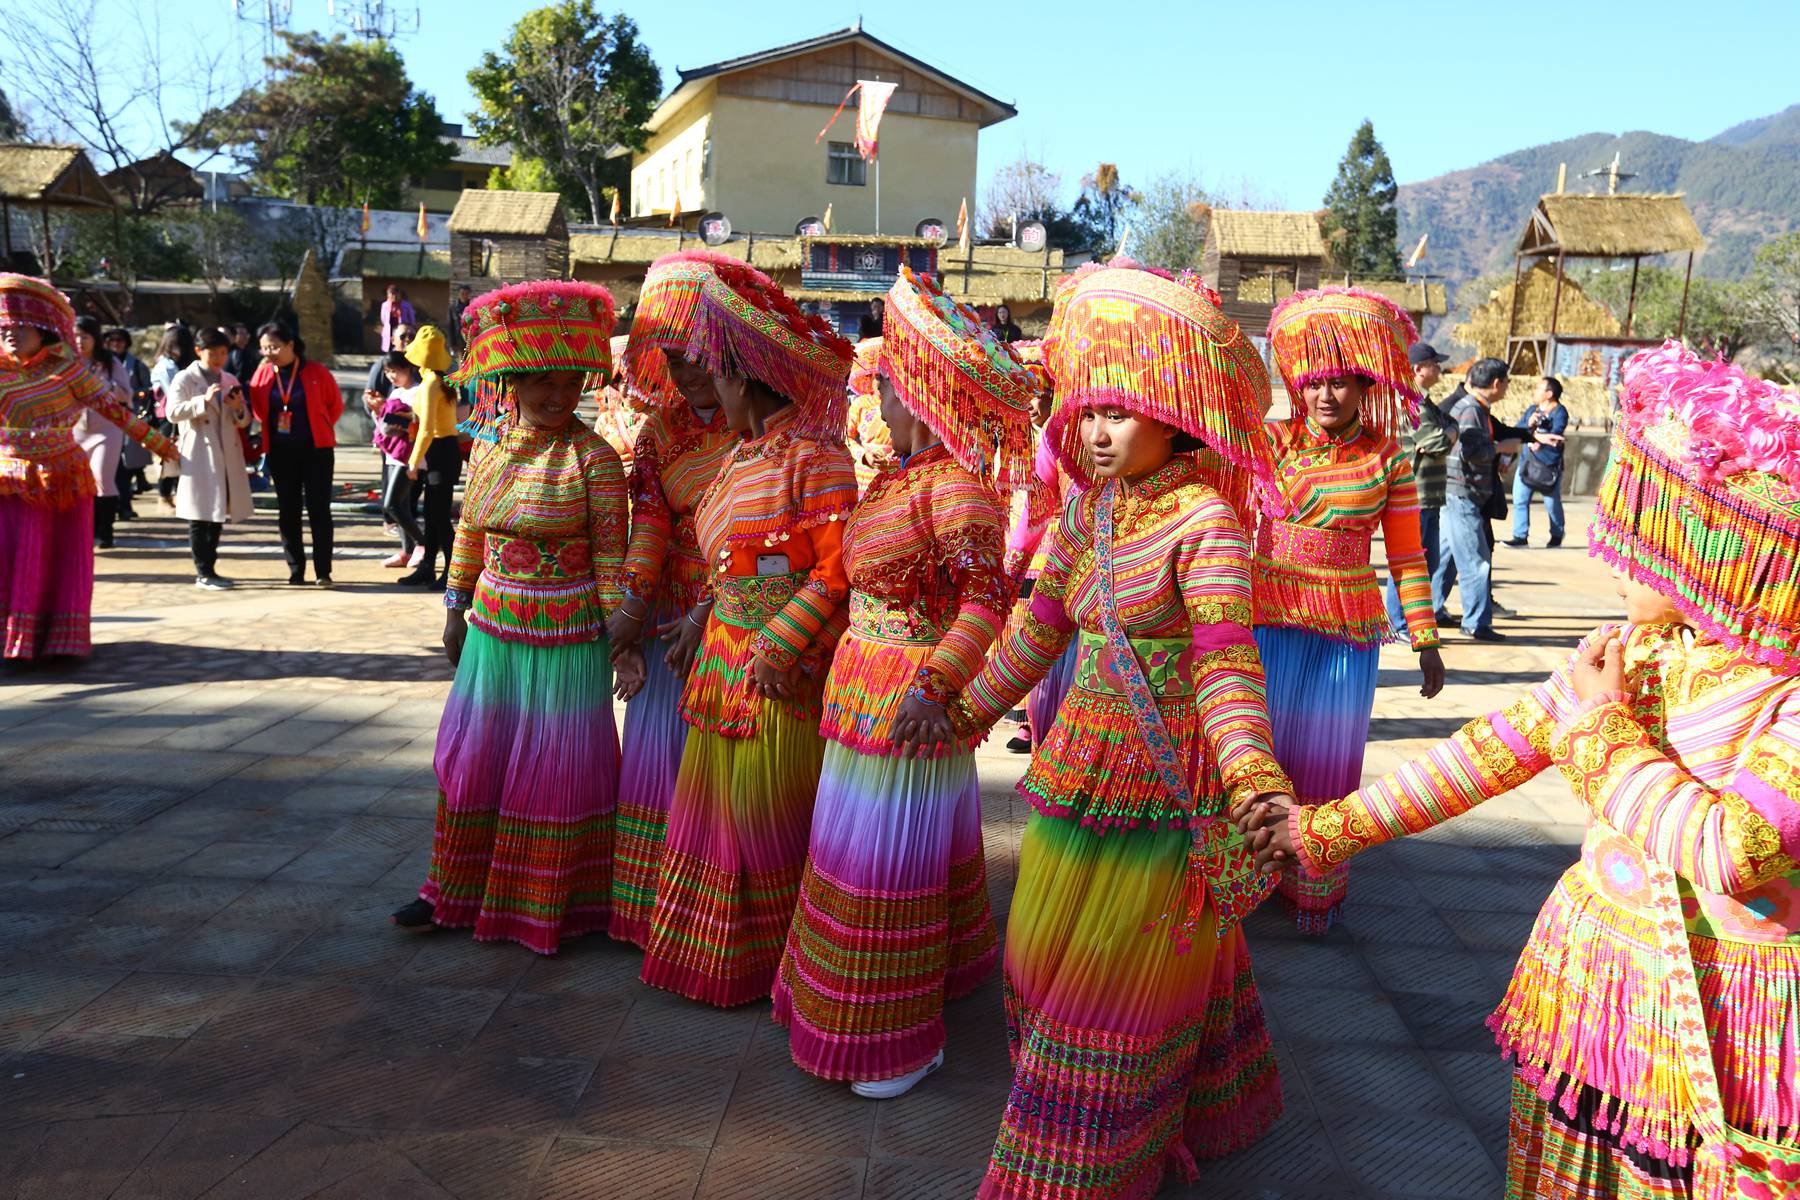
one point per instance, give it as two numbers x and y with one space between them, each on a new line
543 325
865 367
664 316
1339 331
742 328
953 374
1031 353
1702 498
1162 348
25 300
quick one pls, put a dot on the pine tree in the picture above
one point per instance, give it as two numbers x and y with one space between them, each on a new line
1362 223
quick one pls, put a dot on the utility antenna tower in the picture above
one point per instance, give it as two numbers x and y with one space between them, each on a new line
269 16
375 20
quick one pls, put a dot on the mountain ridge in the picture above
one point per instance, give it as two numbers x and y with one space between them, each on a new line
1739 184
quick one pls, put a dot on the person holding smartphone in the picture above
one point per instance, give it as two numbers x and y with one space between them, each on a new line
207 406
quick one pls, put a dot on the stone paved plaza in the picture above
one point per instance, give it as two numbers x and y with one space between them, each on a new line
203 829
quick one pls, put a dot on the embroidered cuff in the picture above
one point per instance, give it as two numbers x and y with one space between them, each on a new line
457 600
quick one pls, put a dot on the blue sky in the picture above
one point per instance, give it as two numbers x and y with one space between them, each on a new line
1258 100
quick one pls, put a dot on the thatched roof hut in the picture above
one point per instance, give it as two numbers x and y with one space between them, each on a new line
500 237
1611 226
1255 260
1528 320
1418 297
45 177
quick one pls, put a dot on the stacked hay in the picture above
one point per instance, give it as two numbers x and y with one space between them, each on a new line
1577 316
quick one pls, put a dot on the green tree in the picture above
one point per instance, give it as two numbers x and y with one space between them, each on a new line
1102 209
1774 290
570 84
1721 314
337 123
11 128
1167 225
1362 223
124 247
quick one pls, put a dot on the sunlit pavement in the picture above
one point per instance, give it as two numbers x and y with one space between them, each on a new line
203 829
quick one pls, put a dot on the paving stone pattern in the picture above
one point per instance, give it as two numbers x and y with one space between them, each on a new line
203 829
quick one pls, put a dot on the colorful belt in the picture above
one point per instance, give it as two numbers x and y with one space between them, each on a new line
532 560
880 619
1165 662
749 601
1309 546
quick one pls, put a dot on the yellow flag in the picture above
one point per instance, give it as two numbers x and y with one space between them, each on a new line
675 213
615 206
826 219
365 220
421 220
962 228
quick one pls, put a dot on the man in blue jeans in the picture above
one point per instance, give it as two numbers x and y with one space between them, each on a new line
1547 416
1428 445
1465 545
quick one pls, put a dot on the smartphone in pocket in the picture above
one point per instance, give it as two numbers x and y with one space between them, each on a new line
772 564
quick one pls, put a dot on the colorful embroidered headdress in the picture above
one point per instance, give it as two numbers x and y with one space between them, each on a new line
664 316
543 325
1702 498
865 367
25 300
952 373
1031 353
1346 331
1162 348
741 328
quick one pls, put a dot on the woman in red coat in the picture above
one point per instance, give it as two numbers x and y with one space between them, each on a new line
297 403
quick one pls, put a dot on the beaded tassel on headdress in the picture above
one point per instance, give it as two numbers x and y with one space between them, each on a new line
543 325
664 315
1702 498
1340 331
950 372
1162 348
746 331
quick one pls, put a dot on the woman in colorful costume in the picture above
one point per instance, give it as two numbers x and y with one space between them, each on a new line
1320 619
677 455
46 487
1136 1030
1680 733
770 528
865 433
1036 508
527 754
893 916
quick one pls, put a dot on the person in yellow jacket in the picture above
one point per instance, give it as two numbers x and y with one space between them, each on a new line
435 455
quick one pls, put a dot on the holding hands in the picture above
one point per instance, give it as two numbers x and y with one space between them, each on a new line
921 727
1263 820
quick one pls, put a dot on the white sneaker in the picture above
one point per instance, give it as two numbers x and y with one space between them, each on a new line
418 556
887 1089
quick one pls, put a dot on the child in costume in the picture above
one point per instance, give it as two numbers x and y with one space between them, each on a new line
1655 1011
893 916
1320 619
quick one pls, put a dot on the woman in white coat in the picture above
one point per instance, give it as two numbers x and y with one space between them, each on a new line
208 407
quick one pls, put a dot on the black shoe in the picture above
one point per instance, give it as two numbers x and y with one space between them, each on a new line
324 581
1500 610
296 578
1553 543
126 514
103 544
1446 618
1515 542
419 576
213 583
1485 635
1020 742
414 917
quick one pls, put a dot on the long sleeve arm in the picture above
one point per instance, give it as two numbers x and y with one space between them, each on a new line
437 418
1027 653
187 398
469 551
1436 435
608 517
808 614
969 552
104 400
1212 565
651 522
1487 757
1724 840
1406 554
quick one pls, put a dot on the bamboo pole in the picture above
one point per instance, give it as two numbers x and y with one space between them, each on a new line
1631 298
1686 281
1512 320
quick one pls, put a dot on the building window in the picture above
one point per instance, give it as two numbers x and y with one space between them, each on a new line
844 165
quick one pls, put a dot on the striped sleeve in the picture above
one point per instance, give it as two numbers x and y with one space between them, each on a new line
1405 552
1026 654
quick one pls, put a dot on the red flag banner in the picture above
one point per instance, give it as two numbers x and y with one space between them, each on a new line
869 109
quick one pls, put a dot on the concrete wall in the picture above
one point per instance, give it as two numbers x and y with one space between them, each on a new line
767 173
674 164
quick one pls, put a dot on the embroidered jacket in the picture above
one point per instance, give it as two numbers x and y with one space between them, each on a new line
1698 770
1312 566
675 459
928 595
771 531
1181 578
41 400
542 537
868 439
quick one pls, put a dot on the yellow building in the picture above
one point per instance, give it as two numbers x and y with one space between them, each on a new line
739 136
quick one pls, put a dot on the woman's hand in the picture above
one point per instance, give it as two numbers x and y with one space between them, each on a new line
687 641
629 672
1599 669
626 628
1431 666
772 682
1252 814
456 629
921 727
412 472
1274 846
